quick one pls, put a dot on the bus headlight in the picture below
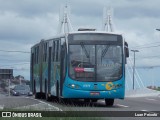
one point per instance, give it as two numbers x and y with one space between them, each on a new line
73 86
116 86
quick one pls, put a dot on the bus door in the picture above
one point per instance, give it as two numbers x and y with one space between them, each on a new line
62 66
49 71
32 76
40 63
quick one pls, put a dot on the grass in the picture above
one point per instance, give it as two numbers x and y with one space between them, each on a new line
68 105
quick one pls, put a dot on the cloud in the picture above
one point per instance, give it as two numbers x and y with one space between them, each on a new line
25 22
15 27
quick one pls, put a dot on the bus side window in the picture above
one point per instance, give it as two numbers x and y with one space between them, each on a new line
43 52
46 49
57 52
53 51
34 55
37 54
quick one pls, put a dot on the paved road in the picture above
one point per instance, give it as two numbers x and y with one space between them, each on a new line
146 104
25 103
128 104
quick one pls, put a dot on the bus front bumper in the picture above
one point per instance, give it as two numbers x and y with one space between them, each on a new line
82 94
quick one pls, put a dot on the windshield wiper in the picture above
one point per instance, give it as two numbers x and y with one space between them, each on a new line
105 51
85 50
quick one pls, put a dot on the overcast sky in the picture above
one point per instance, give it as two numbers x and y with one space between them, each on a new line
25 22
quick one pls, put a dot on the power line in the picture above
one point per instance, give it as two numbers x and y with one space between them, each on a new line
145 44
16 64
148 47
13 60
157 56
14 51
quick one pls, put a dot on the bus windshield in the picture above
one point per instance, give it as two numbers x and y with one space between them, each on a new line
95 62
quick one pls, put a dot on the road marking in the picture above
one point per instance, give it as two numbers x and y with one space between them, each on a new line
149 111
122 105
49 105
119 105
151 99
145 110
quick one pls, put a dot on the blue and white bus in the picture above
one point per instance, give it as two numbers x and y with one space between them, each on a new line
87 65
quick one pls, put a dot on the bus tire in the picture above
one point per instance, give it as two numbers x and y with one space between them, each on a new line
109 102
37 95
48 98
57 92
94 100
86 100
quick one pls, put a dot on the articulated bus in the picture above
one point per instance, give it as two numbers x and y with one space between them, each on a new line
87 65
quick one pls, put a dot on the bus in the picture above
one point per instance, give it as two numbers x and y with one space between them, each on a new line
87 65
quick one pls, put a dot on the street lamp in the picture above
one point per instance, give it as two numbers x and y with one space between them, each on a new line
134 65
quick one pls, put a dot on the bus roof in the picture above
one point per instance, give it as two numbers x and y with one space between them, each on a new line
103 32
77 32
81 32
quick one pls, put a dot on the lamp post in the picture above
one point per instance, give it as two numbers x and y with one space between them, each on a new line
134 51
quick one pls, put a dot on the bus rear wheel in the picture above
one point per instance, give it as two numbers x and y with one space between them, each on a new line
109 102
48 97
37 95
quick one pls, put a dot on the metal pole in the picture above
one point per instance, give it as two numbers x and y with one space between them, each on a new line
134 66
9 86
133 70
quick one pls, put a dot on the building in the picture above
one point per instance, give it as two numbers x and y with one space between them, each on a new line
6 74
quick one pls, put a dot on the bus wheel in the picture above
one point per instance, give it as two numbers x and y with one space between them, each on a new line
48 98
37 95
86 100
94 100
57 92
109 102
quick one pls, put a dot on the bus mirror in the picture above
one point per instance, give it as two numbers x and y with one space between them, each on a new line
126 49
127 52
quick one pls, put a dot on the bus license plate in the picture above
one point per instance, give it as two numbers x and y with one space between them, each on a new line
94 93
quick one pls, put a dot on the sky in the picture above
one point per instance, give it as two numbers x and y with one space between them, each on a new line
24 23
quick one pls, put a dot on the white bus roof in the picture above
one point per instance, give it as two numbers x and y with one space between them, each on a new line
76 32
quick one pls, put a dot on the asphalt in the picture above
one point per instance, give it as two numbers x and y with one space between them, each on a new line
147 104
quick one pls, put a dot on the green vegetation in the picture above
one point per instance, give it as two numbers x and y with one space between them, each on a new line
158 88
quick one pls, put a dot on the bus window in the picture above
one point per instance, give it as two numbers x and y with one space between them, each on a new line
35 55
46 46
44 52
57 52
53 51
59 49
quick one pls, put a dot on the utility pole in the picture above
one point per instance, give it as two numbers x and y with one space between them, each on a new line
134 51
9 87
